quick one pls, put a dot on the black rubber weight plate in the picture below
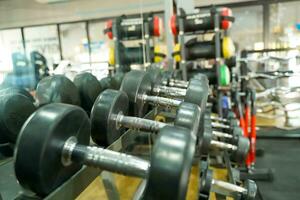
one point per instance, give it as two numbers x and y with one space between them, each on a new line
197 93
14 111
38 165
116 80
136 83
16 90
155 74
57 89
188 116
243 146
89 89
171 162
105 83
107 106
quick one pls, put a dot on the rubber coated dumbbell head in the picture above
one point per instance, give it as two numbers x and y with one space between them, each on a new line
107 106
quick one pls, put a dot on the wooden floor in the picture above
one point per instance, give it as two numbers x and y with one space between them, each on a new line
127 186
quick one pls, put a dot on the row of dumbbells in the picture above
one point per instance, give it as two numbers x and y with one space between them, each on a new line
119 118
17 104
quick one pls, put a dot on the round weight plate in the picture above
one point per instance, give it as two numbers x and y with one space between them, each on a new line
170 164
155 74
226 24
106 108
205 141
16 90
241 153
158 54
108 25
228 48
14 111
89 89
251 188
116 80
38 165
57 89
206 181
188 116
157 26
236 130
176 52
105 83
225 75
173 24
197 93
111 56
136 83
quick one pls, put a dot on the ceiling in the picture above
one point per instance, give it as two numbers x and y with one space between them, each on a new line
15 13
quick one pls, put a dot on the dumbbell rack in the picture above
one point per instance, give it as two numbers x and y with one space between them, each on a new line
117 41
10 189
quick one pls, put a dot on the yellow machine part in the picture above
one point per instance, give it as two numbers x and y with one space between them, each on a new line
228 48
111 56
157 54
177 56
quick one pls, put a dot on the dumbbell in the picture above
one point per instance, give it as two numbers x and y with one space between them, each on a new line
109 118
15 108
45 159
138 86
248 192
238 146
89 87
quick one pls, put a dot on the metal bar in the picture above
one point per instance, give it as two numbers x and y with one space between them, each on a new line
110 160
110 186
59 42
87 30
23 41
168 12
266 23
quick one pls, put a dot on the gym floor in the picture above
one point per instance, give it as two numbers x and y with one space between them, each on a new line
281 155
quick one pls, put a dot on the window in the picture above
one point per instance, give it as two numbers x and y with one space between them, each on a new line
75 44
99 44
247 30
10 43
43 39
284 25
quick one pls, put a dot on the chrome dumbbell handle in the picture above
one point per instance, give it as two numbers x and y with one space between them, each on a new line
105 159
223 145
138 123
176 83
171 91
221 134
218 119
219 125
162 101
228 186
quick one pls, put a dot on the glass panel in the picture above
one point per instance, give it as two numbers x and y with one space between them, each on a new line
247 30
284 29
100 45
75 44
44 40
10 43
